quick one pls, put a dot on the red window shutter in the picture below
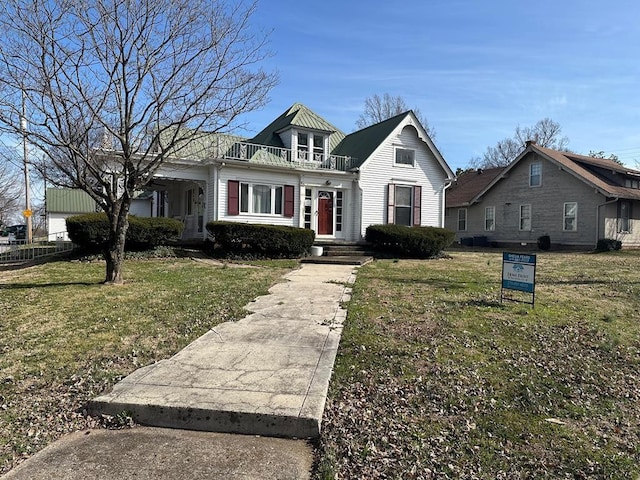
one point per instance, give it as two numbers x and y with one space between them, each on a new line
233 197
417 205
391 203
289 202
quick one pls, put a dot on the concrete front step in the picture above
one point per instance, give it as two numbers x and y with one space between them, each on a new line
339 260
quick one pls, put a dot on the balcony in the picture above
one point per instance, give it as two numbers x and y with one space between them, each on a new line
250 152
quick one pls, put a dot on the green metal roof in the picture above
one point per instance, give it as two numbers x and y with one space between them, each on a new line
297 116
69 200
361 144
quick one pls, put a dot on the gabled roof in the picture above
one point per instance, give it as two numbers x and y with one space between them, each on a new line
469 184
297 115
587 169
68 200
361 144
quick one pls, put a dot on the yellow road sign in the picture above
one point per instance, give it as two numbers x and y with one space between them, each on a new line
27 213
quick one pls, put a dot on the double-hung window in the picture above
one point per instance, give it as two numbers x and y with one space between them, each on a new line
490 219
403 205
535 174
570 217
462 219
525 217
624 215
261 199
303 146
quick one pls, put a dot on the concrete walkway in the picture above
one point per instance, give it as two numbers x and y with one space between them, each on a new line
267 374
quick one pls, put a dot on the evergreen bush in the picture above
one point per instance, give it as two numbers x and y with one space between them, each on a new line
415 242
266 241
91 231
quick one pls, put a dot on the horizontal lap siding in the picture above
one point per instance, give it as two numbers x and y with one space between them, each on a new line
547 204
262 177
380 170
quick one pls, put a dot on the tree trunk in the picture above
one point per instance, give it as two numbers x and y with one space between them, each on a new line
114 251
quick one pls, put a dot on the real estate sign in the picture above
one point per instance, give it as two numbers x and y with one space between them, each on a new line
519 272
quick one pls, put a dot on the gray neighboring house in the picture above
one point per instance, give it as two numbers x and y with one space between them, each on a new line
574 199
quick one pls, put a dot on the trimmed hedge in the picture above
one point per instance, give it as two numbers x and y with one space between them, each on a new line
272 241
608 244
415 242
91 231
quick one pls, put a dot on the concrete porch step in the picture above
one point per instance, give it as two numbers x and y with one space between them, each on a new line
339 260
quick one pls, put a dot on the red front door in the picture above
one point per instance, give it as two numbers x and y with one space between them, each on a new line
325 213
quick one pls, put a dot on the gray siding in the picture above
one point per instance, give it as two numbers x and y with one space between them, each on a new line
547 207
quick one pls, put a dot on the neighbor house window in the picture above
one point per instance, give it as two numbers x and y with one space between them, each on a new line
624 214
570 217
490 219
535 174
405 156
255 198
525 217
462 219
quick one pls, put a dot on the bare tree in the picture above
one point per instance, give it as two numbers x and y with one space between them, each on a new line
602 154
114 87
378 109
545 133
10 187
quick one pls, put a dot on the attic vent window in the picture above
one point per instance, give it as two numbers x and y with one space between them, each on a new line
405 156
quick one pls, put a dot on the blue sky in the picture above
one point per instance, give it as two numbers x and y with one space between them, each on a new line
475 69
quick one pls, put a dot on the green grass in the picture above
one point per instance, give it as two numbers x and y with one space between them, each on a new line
65 337
436 379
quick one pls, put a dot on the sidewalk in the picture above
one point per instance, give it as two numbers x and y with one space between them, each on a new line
267 374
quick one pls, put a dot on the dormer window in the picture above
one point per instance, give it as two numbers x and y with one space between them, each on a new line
318 148
303 146
311 146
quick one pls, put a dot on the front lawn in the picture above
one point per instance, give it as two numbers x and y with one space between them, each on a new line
65 337
436 379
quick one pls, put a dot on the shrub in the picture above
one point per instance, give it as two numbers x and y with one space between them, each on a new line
608 244
91 231
146 233
271 241
417 242
544 242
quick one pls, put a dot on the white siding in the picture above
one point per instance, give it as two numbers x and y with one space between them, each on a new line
380 170
257 176
57 226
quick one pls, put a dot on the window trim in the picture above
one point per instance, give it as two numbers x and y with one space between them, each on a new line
539 175
493 219
565 217
626 219
520 228
402 164
461 210
237 190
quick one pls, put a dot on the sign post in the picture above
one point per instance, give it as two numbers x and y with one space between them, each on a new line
519 273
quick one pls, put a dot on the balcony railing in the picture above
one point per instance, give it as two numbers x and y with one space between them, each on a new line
251 152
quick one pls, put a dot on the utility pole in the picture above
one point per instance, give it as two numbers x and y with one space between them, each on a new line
27 187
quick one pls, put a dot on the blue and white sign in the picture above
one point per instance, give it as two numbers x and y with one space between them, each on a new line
519 272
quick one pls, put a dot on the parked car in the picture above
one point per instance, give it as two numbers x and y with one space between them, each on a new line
16 233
